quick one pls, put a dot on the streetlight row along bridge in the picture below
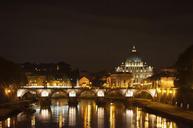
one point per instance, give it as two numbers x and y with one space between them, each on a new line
41 91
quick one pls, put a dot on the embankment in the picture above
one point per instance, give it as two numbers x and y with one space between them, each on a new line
166 110
8 109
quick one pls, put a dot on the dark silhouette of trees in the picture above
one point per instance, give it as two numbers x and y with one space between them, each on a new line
99 78
11 73
11 76
53 71
184 67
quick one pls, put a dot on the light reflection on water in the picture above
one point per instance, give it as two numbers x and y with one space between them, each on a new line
100 117
88 115
112 116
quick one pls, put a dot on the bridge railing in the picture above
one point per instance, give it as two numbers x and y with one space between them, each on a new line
56 87
74 87
48 87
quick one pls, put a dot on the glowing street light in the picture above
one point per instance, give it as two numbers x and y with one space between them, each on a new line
72 94
129 93
100 93
7 91
44 94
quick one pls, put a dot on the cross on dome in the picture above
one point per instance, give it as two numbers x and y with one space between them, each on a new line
134 49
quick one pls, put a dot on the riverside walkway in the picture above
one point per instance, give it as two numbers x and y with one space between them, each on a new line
167 110
8 109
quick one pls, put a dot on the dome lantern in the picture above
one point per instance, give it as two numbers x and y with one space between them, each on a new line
134 49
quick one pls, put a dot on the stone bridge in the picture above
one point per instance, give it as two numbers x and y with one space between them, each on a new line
82 92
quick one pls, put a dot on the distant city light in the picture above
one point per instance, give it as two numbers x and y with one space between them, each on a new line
45 115
7 91
8 122
72 94
100 93
44 94
129 93
19 93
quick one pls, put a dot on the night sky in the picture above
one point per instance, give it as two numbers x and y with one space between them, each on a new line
95 35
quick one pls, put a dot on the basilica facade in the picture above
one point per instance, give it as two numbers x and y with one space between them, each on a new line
130 73
136 66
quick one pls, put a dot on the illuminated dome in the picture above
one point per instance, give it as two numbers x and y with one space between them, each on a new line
134 57
135 65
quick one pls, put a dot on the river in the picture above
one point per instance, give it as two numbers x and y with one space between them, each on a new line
88 115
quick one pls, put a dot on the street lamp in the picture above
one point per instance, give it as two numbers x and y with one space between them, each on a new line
7 91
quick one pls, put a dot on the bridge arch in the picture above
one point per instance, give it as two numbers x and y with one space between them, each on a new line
114 93
149 94
58 93
87 93
100 93
23 92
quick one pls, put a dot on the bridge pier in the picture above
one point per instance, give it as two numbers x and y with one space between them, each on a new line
101 101
45 102
128 102
72 101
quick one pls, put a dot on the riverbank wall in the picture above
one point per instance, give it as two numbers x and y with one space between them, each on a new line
165 110
8 109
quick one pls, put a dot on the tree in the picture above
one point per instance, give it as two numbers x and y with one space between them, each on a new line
11 73
184 67
98 78
11 76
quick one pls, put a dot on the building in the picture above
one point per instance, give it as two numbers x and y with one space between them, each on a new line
50 74
119 80
167 82
42 80
84 82
136 66
66 83
164 78
36 80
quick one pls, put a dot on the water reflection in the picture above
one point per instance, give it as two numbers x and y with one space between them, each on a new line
8 122
60 112
61 120
112 116
100 117
147 120
72 116
88 115
1 124
45 114
33 121
129 118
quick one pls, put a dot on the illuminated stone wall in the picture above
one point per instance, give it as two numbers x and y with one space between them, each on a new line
36 80
40 80
167 82
119 80
166 95
59 83
84 82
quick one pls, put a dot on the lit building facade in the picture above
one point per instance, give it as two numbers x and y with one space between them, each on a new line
166 82
36 80
164 79
50 74
84 82
134 65
119 80
42 80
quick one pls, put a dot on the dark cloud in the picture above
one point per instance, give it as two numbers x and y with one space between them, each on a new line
95 35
